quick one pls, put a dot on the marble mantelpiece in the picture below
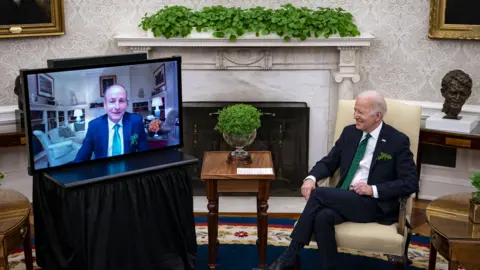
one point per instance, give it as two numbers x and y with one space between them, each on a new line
318 71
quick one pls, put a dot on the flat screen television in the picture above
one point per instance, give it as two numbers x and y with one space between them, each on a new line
79 114
95 60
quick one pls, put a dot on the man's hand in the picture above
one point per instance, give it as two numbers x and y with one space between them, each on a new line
363 189
307 188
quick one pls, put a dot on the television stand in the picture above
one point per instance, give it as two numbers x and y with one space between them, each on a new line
127 213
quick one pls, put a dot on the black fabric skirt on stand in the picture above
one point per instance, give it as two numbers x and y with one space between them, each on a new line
142 222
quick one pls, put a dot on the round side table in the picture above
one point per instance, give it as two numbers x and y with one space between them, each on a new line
452 233
14 226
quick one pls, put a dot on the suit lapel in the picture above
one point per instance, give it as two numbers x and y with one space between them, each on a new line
127 126
381 142
106 136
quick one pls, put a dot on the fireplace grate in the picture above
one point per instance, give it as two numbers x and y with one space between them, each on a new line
284 132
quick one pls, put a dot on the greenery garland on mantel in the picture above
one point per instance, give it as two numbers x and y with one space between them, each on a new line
231 22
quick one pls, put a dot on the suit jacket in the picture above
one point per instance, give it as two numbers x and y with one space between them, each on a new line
394 178
96 139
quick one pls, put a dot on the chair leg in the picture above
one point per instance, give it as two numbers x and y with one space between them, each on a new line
298 264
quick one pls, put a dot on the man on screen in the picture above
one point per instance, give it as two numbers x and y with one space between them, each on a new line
115 133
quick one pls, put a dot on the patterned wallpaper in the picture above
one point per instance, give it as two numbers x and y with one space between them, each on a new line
403 63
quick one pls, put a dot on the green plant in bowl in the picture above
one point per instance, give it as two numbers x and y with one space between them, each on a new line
238 124
475 178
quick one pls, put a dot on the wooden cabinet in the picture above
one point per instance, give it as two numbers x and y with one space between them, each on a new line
140 107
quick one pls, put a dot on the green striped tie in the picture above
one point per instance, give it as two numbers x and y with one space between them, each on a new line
117 144
356 161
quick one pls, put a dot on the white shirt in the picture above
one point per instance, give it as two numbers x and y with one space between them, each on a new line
363 169
111 133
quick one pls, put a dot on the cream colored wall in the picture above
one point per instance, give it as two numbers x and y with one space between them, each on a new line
403 63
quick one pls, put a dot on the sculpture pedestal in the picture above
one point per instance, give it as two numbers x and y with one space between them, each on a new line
465 125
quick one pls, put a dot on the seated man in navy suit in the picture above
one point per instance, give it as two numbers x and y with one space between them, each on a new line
115 133
369 189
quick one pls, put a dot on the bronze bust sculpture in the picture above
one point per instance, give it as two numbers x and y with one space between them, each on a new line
456 89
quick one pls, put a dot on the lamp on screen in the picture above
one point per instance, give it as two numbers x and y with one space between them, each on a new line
157 102
78 114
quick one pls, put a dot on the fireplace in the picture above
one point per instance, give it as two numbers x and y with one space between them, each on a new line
300 81
284 132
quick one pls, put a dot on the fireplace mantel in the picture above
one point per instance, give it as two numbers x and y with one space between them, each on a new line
205 39
317 71
345 68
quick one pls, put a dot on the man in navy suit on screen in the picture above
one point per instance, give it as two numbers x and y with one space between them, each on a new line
115 133
369 189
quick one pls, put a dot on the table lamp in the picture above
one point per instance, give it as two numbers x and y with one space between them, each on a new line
78 113
157 102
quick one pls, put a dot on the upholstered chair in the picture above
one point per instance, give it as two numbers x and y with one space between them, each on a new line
390 240
171 119
58 153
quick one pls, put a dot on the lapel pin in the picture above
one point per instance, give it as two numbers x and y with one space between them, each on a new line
383 140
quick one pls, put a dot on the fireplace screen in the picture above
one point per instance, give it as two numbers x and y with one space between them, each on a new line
284 132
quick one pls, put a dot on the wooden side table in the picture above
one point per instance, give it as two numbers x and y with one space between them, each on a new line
14 226
220 176
453 234
446 139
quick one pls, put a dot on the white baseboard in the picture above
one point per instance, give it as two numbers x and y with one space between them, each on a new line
431 189
7 114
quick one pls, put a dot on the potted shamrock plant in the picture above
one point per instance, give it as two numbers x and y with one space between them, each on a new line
474 211
238 124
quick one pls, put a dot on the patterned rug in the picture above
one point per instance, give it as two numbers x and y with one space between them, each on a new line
237 235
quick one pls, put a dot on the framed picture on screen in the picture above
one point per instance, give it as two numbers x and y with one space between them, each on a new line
45 86
159 78
105 82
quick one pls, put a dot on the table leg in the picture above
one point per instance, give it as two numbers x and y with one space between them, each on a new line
419 166
432 260
262 225
452 265
27 247
212 196
3 255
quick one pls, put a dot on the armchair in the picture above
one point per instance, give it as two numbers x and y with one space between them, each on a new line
171 119
58 153
390 240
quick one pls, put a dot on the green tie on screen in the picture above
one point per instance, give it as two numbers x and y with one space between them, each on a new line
356 161
117 144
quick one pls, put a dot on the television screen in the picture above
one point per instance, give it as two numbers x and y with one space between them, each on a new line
79 114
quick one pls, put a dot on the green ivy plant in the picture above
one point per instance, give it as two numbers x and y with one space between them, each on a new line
231 22
476 183
238 119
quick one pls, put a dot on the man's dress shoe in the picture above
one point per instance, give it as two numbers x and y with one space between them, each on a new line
279 265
